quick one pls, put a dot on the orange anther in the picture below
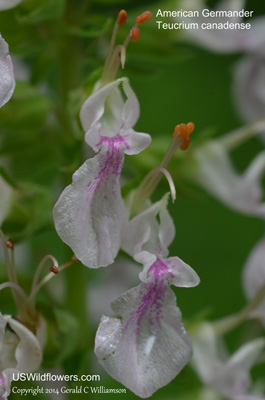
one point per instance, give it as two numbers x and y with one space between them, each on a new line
190 127
122 17
185 143
183 131
54 269
10 244
135 33
144 17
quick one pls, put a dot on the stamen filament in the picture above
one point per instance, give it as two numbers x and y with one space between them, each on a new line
229 323
39 269
46 279
238 136
145 190
120 21
15 287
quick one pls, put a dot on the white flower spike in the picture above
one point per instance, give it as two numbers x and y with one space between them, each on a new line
7 80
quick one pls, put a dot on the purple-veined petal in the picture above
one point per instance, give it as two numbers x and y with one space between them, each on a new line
145 346
90 213
176 271
254 273
7 4
7 80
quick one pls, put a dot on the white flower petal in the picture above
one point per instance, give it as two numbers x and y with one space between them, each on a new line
7 80
230 377
28 351
143 232
217 175
217 40
90 213
2 329
249 87
5 199
7 377
94 107
247 355
7 4
145 346
254 273
105 114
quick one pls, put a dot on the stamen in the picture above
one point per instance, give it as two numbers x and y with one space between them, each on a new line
10 244
183 130
54 269
16 287
185 143
47 278
180 140
122 17
39 269
144 17
134 33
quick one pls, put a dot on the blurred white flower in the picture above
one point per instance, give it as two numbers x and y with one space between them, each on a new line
216 174
7 4
7 80
228 376
254 276
5 199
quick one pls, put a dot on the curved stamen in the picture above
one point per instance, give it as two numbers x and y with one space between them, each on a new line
47 278
16 287
39 269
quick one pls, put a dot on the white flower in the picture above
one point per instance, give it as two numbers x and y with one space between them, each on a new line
145 345
90 213
7 80
217 175
228 376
